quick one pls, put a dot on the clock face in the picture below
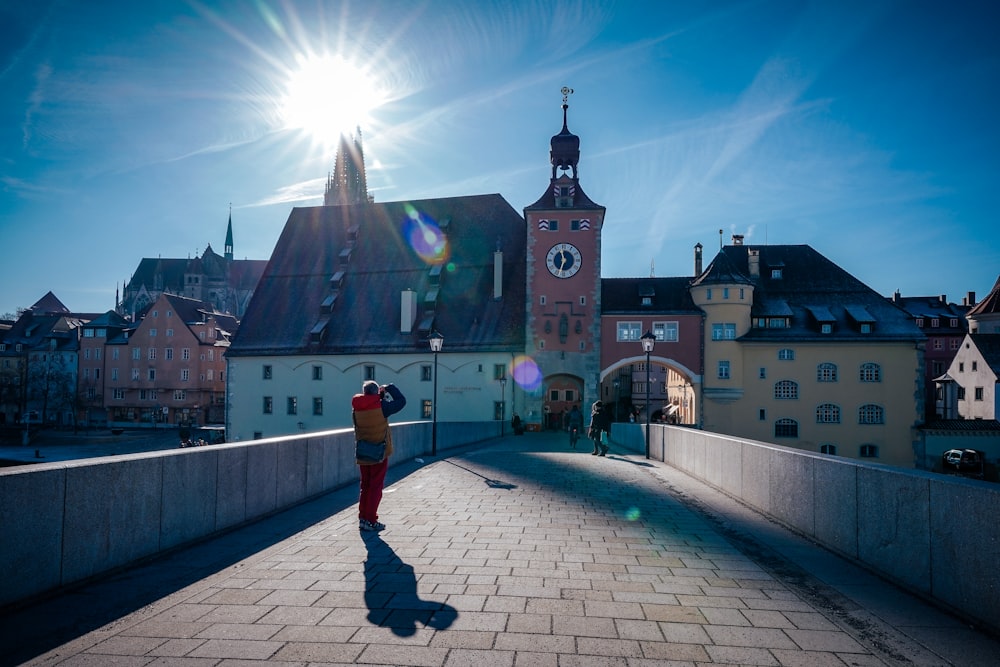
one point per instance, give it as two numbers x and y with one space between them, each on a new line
563 260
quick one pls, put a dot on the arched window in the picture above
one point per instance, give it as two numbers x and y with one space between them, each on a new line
828 449
870 372
826 372
828 413
868 451
871 414
786 428
786 389
786 354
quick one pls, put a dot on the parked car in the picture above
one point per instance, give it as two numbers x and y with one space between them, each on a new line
964 462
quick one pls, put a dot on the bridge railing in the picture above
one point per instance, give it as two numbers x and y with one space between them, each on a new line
935 535
63 523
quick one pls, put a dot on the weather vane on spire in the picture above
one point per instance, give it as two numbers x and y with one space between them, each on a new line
566 92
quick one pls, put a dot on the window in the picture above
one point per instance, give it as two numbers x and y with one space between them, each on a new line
541 300
426 408
629 332
953 322
317 372
975 366
185 375
786 428
977 394
152 353
554 224
136 353
135 373
920 322
708 294
170 332
786 354
870 372
955 344
762 415
786 389
268 405
723 372
152 333
118 394
828 413
168 353
151 374
826 372
114 375
762 374
665 331
935 323
88 333
211 355
776 274
826 328
180 395
725 292
97 373
961 393
114 354
210 374
425 373
868 452
866 327
292 406
741 294
724 331
583 301
317 405
553 394
369 372
828 449
938 344
871 414
186 353
268 372
570 395
499 371
961 367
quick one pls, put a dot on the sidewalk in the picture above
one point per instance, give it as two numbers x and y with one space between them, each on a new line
522 552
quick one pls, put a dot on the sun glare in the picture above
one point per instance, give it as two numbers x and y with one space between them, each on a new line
327 96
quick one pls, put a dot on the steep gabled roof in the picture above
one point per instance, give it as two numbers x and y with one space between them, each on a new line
49 304
796 282
990 304
722 270
334 282
988 346
665 295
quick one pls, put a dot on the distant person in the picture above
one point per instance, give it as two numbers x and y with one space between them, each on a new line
371 411
575 425
516 424
600 423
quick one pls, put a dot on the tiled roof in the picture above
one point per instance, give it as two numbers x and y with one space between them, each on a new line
666 295
580 199
988 346
809 283
723 270
969 425
990 304
313 262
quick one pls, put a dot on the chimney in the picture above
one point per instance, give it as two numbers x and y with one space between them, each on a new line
497 275
697 259
407 310
970 299
943 299
753 260
737 239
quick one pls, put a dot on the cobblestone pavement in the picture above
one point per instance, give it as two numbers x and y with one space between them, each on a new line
520 553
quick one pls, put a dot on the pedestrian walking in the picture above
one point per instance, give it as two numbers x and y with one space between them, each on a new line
600 423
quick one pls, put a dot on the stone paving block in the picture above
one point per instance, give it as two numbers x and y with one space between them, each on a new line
166 629
732 655
236 648
516 641
807 658
480 658
319 652
624 648
314 634
531 623
463 639
750 637
122 645
679 652
826 640
295 615
673 613
176 647
684 633
614 609
415 656
584 626
239 631
532 659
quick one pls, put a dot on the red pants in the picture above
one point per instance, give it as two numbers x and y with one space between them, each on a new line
372 479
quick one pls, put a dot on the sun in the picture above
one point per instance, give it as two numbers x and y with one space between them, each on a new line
327 96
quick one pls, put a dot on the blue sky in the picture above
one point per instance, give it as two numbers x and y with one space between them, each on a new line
867 129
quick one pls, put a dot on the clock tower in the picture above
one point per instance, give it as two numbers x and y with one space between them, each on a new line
563 295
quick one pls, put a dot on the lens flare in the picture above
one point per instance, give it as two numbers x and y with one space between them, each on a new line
526 373
633 514
425 237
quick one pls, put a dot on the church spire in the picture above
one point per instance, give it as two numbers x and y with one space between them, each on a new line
229 237
348 184
564 149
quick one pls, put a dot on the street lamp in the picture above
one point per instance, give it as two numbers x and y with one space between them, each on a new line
437 342
648 340
503 404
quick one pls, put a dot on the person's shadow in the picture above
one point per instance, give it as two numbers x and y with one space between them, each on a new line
391 593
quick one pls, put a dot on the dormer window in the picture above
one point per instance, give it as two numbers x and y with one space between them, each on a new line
647 301
935 323
776 274
920 322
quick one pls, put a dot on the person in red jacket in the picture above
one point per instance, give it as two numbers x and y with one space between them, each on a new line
371 411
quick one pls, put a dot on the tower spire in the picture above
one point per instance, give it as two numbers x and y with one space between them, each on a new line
228 251
348 184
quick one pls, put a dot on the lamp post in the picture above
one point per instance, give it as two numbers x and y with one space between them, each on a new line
648 340
437 342
503 403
